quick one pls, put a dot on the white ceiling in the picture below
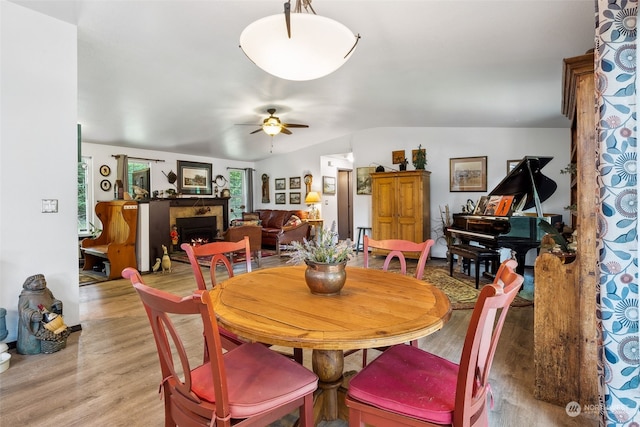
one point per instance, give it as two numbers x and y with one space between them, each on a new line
169 75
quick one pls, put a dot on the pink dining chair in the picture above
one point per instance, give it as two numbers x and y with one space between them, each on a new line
407 386
216 252
247 386
397 249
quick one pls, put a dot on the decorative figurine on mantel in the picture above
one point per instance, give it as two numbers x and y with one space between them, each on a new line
35 294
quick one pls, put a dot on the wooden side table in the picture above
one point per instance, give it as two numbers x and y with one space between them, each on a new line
315 223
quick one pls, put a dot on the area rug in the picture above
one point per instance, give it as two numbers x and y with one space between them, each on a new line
461 289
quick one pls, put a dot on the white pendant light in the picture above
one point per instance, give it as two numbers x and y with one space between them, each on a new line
318 45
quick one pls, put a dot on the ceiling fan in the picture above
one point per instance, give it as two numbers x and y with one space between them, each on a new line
273 126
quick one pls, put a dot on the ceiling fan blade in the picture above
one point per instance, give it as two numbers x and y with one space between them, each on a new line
255 131
285 131
294 125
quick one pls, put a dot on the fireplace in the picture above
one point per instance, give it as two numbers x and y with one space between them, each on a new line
196 228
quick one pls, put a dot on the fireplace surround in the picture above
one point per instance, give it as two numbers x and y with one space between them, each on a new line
196 228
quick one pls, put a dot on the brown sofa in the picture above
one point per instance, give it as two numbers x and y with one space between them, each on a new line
276 231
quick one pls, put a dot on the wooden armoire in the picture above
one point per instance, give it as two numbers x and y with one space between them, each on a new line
401 205
565 335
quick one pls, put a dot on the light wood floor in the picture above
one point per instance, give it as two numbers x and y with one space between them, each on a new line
109 375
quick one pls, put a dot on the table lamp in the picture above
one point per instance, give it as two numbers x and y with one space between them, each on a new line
312 198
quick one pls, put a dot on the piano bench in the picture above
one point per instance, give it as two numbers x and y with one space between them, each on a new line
476 254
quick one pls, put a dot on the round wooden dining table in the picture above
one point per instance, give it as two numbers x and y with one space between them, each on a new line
374 309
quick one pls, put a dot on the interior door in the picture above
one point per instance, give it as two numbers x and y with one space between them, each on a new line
344 192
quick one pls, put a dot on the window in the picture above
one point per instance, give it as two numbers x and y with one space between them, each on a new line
237 188
85 196
139 174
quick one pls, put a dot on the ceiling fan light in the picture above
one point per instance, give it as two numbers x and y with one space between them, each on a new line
318 45
271 128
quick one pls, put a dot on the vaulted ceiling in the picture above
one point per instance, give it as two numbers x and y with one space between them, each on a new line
170 76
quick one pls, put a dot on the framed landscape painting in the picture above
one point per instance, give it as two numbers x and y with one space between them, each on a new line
468 174
294 183
328 185
363 179
194 178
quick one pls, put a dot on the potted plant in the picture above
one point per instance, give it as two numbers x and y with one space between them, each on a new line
420 160
326 258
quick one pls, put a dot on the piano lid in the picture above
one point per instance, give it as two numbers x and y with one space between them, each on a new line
526 180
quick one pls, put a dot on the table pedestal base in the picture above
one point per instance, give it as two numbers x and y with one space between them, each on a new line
328 365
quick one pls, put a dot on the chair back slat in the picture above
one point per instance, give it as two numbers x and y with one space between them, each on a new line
215 252
397 249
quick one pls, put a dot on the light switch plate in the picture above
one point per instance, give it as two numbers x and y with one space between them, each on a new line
49 205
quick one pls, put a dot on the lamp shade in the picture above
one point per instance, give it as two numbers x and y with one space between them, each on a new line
312 197
318 45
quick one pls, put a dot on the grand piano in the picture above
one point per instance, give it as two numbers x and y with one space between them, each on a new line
518 232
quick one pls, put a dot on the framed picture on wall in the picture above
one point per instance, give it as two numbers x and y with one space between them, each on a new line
294 183
397 157
328 185
363 179
468 174
194 178
281 184
281 198
294 198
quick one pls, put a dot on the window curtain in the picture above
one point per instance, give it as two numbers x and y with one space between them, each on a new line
248 175
617 305
122 171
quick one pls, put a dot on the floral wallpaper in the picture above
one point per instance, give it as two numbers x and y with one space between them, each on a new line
617 312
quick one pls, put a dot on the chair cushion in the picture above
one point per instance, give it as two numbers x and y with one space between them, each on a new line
409 381
258 379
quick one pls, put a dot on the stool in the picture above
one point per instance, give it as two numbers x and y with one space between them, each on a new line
476 254
360 240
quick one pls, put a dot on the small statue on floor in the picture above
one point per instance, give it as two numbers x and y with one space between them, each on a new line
34 293
166 261
156 266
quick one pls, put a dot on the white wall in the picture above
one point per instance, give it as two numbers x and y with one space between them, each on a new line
38 159
374 146
103 155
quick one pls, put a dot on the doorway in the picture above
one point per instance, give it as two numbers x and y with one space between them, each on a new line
345 204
